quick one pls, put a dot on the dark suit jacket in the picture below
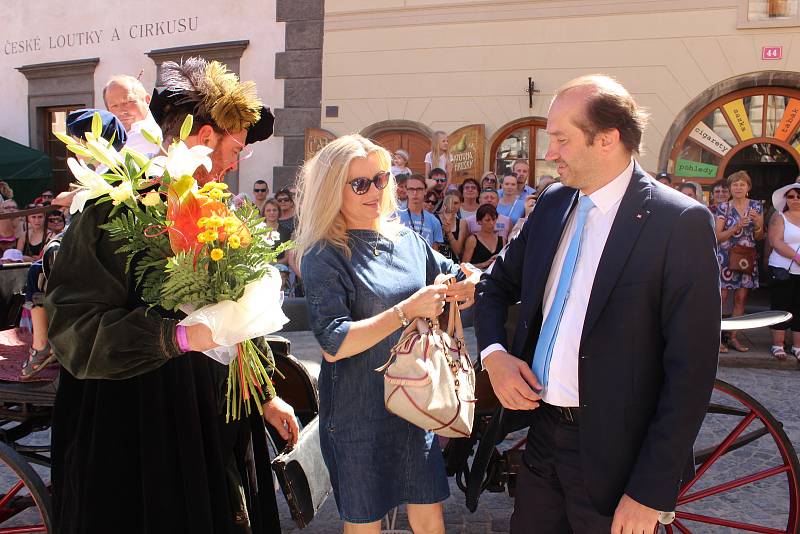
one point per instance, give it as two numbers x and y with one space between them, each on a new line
648 351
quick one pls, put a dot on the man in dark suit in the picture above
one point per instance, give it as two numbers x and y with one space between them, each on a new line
615 349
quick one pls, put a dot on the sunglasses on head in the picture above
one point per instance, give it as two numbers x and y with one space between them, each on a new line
259 190
361 185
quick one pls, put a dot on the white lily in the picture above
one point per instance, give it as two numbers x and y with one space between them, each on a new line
183 161
90 185
122 192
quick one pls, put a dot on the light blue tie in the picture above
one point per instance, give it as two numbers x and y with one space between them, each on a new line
547 337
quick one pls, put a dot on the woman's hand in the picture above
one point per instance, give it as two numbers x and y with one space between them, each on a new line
281 416
464 291
427 302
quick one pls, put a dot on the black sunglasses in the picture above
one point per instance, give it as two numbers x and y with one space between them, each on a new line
284 199
259 190
430 201
440 179
361 185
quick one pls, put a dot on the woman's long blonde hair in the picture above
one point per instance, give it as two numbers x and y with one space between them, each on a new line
437 152
321 186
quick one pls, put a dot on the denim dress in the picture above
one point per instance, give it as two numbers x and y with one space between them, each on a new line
376 460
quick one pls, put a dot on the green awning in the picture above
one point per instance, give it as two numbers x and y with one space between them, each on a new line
28 171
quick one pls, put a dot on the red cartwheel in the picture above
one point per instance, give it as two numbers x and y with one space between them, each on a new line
24 498
735 425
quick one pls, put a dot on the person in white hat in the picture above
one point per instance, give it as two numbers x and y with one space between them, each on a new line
784 267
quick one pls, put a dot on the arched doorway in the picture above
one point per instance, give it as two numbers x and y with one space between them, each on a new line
524 139
755 128
412 137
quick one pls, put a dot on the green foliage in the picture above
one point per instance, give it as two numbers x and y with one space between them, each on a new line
186 285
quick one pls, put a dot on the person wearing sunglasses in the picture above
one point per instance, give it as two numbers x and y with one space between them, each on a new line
784 267
470 190
416 217
260 195
288 218
438 180
55 222
489 181
366 277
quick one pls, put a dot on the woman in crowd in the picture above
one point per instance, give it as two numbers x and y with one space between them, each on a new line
784 266
482 248
489 181
56 221
439 156
720 193
8 227
454 227
692 190
470 190
288 217
367 276
740 223
400 163
430 202
530 203
511 205
35 237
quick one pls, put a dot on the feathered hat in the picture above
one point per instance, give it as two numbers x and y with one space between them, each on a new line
211 94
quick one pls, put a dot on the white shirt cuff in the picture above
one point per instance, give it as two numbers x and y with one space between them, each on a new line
490 349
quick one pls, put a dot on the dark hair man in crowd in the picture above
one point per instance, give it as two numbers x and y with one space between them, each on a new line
260 194
613 416
664 178
402 194
139 438
439 178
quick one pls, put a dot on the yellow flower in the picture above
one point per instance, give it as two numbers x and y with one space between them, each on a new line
215 194
217 254
151 199
211 235
202 222
215 221
201 237
234 242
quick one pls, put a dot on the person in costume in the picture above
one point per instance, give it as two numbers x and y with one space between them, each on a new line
139 439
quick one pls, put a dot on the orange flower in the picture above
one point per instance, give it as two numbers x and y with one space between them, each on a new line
184 216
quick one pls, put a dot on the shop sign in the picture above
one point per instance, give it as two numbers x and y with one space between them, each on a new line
738 116
789 121
707 137
466 149
771 52
315 140
694 169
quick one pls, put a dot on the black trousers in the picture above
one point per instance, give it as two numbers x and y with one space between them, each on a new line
785 296
551 496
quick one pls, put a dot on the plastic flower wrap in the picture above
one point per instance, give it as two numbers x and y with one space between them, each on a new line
190 249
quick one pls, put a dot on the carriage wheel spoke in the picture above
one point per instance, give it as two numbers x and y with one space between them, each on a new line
681 527
720 450
727 486
23 530
10 495
727 523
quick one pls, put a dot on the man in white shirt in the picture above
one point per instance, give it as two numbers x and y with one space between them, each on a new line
127 99
615 349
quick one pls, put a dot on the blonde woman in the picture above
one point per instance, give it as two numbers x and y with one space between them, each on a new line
365 277
439 156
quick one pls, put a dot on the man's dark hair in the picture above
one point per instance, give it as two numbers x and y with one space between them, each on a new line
484 210
437 171
723 183
609 106
285 191
417 177
260 182
664 176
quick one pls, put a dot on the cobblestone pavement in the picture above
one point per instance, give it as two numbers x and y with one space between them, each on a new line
764 503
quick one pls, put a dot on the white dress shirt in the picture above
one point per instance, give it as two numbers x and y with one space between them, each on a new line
562 388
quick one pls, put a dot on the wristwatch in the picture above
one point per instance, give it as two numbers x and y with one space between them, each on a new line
666 518
403 319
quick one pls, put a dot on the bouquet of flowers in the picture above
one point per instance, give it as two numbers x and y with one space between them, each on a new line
189 249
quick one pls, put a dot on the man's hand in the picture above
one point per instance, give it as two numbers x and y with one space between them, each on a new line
513 381
633 518
199 337
281 416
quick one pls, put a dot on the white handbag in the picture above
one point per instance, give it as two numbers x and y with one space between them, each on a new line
429 379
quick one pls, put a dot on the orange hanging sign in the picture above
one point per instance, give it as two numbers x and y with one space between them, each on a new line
790 120
737 114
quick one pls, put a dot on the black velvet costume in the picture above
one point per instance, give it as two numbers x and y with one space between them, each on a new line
139 439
